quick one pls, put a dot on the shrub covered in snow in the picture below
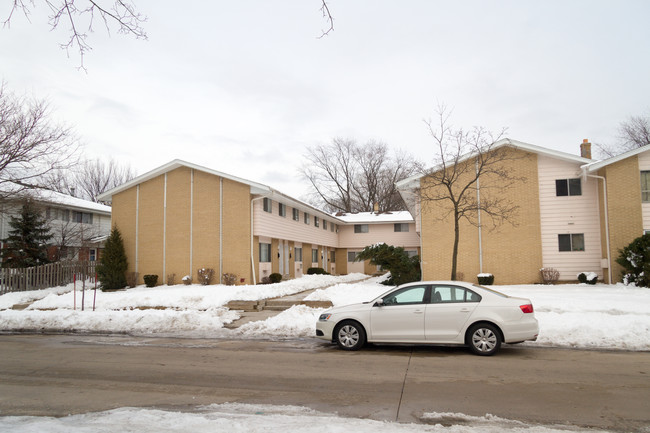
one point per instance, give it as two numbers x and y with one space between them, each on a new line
205 276
187 280
587 277
549 275
229 279
635 259
485 279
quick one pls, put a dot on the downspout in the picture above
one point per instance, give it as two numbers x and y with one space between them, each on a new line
252 240
609 259
137 224
220 228
164 252
191 222
480 237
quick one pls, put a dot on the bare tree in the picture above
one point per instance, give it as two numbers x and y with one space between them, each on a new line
327 15
349 177
31 145
90 179
68 235
632 134
81 17
465 158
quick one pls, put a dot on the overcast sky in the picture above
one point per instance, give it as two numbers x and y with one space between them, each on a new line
245 86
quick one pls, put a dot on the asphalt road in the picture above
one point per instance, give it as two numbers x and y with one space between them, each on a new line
58 375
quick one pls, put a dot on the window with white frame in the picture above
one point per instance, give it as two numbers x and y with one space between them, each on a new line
268 205
314 255
306 218
296 214
401 227
324 224
282 210
333 256
298 252
316 222
82 217
352 255
645 186
564 187
332 226
265 252
361 228
571 242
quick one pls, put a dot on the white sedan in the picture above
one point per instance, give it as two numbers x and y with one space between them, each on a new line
433 312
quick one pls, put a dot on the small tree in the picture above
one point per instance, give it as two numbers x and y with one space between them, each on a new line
111 270
402 268
635 260
26 244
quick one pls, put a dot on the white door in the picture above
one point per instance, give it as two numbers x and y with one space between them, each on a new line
401 317
449 310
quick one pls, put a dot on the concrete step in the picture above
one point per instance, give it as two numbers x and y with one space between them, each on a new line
246 305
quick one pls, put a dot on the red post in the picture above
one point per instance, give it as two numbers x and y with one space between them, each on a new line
83 294
74 289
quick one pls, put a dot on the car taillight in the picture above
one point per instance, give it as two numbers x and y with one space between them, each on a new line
528 308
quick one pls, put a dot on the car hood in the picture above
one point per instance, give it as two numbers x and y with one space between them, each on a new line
350 307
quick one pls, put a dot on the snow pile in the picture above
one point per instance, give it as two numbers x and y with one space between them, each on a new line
235 418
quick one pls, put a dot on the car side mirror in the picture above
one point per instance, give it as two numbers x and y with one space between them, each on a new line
379 303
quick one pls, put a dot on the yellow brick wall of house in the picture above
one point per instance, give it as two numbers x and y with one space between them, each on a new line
341 261
123 216
150 228
177 224
369 269
237 229
512 253
275 260
205 226
306 257
624 207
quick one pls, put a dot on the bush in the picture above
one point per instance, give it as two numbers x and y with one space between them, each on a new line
111 270
150 280
171 279
635 260
229 279
187 280
402 268
549 275
205 276
265 280
132 279
587 277
316 271
275 278
485 279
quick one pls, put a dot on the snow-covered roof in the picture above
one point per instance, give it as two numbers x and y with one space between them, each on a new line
56 198
376 218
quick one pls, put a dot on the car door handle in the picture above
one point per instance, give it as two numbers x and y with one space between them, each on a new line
418 312
465 310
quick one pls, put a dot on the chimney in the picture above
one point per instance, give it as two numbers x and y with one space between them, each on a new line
585 149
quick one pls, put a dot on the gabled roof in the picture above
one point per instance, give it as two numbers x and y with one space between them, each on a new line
255 187
57 199
597 165
414 180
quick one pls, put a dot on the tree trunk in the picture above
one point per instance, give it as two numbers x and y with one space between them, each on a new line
454 255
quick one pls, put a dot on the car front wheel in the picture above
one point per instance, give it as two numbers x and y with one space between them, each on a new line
484 339
350 335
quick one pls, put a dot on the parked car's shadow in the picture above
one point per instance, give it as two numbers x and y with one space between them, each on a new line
507 350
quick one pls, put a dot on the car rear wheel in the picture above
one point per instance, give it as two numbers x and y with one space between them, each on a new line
484 339
350 335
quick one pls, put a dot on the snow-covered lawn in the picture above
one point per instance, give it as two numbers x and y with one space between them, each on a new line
572 315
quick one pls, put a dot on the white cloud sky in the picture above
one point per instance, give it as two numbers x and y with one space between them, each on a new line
243 87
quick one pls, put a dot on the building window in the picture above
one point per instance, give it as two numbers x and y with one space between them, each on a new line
298 254
333 256
352 255
92 254
296 214
82 217
314 255
332 227
645 186
401 227
324 225
268 205
316 222
564 187
265 253
411 253
361 228
282 210
306 217
571 242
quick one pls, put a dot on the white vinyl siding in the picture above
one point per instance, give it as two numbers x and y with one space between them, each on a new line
644 165
566 215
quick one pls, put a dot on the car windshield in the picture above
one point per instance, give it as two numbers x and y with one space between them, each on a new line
492 291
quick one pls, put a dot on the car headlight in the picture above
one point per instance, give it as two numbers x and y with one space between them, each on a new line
324 317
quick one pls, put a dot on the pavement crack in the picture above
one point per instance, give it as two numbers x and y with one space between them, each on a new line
406 373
